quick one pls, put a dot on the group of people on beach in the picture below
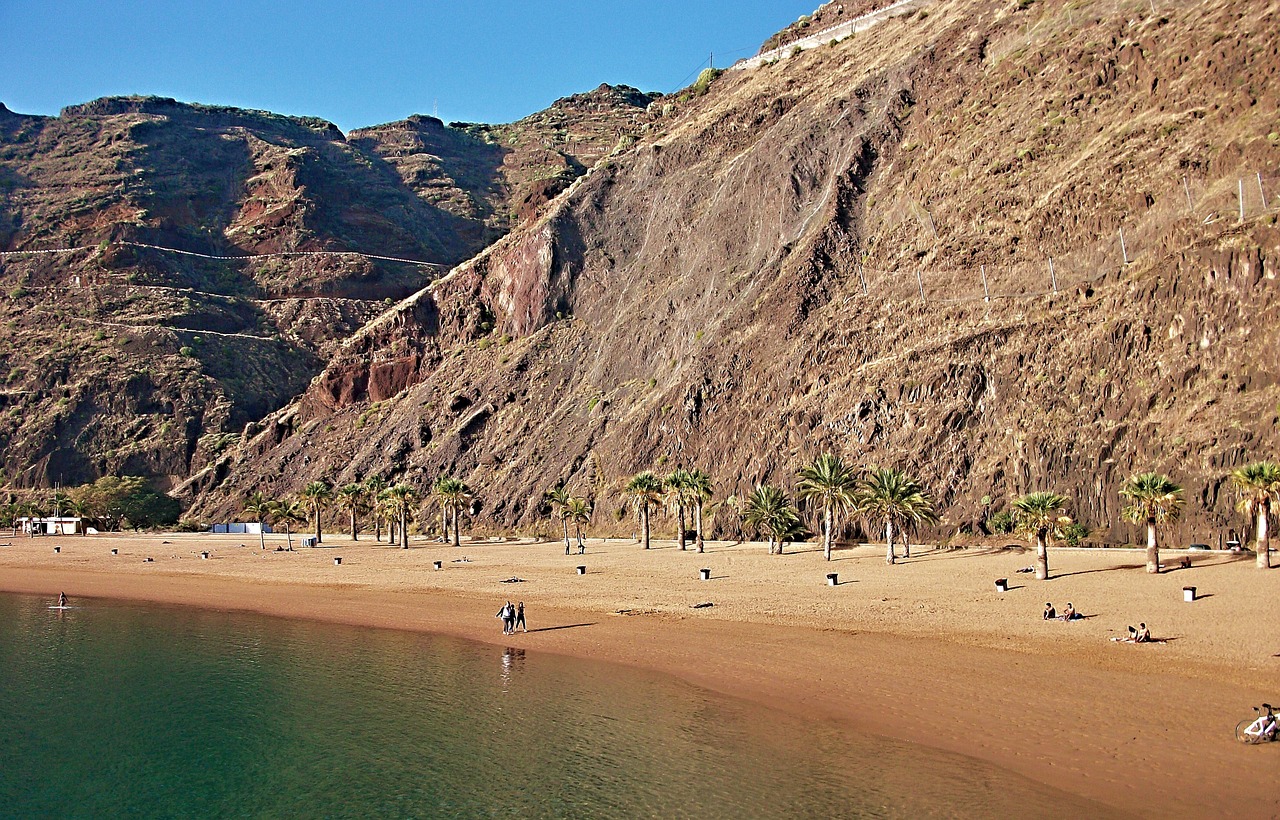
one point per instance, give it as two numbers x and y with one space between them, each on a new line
1068 614
512 618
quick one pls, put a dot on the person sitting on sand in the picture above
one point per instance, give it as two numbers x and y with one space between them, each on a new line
1049 612
1069 614
1143 635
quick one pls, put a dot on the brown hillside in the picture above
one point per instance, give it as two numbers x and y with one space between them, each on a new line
122 358
739 291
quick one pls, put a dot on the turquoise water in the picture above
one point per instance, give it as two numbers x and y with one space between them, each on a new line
125 710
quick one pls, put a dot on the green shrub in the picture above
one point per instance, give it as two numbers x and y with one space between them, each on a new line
704 81
187 350
1073 534
1002 522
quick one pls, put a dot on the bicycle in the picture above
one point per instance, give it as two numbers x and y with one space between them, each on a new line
1252 730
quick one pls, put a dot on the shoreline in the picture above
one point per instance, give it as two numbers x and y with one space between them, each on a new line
1136 728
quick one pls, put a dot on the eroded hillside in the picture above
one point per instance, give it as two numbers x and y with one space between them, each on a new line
125 358
849 250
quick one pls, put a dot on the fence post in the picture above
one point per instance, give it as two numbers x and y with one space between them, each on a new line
1053 279
1261 192
1186 186
1241 181
1124 252
986 292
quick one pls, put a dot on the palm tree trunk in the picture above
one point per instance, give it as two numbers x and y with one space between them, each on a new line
1153 550
577 531
457 537
644 525
353 525
288 535
1264 537
565 521
826 531
404 528
889 557
697 516
1042 556
773 550
680 535
262 539
317 512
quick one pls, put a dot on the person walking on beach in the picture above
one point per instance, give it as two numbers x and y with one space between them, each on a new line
520 618
508 616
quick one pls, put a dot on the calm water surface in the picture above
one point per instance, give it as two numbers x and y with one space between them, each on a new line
126 710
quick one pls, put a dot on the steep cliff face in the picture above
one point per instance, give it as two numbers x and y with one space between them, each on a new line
850 251
126 358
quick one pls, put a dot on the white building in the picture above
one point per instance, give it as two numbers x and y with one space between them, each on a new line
51 525
237 528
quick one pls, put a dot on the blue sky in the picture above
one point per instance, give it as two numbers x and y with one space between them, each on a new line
363 63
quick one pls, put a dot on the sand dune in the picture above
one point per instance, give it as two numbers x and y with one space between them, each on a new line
926 650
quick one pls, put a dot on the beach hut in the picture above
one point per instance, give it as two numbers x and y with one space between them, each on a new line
50 525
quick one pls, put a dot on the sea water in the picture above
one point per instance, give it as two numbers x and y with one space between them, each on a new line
114 710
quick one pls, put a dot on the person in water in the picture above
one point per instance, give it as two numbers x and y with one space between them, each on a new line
62 599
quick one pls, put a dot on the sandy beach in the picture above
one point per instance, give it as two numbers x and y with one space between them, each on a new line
926 651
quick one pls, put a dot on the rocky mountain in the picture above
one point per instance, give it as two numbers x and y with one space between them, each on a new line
122 357
996 243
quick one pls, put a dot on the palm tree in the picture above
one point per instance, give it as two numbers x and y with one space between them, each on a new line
288 512
80 509
401 497
699 493
677 486
829 481
1258 487
454 495
558 497
387 506
374 485
351 499
1153 499
889 498
1042 514
317 496
768 509
579 512
645 491
259 507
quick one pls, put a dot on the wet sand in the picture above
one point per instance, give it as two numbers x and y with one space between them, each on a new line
925 651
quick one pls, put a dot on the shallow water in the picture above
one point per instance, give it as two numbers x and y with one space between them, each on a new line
127 710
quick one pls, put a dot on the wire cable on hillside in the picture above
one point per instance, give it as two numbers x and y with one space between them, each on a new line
225 258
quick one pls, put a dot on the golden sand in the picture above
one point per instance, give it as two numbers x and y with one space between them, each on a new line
926 650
